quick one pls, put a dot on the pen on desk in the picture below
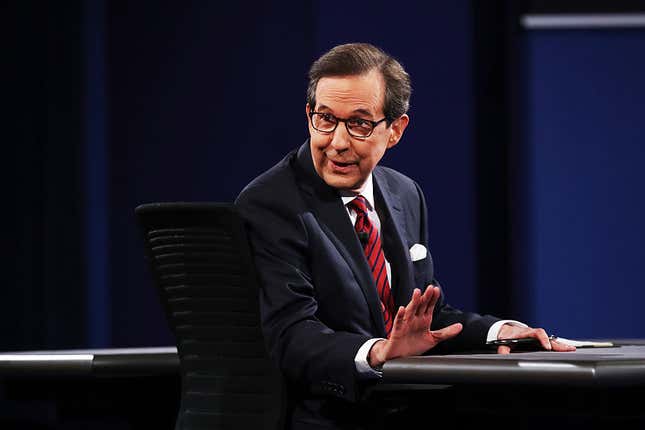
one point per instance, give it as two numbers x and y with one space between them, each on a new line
522 342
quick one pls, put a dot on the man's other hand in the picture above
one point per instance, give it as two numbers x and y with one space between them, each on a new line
411 334
514 332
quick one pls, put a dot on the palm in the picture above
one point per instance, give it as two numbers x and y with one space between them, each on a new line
410 333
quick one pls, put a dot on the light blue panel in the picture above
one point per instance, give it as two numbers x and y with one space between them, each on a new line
585 181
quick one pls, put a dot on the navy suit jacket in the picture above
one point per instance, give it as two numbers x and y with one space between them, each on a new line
318 299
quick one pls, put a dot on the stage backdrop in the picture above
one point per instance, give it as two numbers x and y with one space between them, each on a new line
583 155
121 103
202 97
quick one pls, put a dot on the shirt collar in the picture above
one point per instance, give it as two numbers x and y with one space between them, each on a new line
367 191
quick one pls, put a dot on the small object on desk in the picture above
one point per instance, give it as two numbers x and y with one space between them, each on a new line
520 344
532 344
583 343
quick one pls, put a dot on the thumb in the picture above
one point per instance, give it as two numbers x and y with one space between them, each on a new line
447 332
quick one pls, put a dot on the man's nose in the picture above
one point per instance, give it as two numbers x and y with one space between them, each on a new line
340 139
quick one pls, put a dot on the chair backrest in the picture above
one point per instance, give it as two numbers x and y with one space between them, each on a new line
200 260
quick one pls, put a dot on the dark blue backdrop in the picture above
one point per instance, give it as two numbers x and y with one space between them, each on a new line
121 103
202 97
584 152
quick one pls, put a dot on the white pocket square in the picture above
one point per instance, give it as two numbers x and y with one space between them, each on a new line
418 252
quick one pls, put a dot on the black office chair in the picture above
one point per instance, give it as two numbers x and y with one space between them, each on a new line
202 267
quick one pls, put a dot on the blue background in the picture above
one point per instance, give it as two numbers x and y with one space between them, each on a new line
199 107
121 103
584 179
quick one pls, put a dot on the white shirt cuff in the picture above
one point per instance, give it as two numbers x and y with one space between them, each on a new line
493 331
362 366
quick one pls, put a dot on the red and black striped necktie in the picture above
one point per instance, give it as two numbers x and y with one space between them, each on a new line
375 258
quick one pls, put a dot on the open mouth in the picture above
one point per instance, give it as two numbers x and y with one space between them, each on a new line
341 164
342 167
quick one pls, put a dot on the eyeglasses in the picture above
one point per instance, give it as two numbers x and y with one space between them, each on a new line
356 127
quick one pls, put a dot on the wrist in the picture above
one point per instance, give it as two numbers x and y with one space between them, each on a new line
375 356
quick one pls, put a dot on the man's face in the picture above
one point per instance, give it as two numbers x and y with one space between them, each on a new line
341 160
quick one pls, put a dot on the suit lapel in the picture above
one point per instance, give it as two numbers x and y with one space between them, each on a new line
390 211
327 205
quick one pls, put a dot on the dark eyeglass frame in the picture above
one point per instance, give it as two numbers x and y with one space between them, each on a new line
345 120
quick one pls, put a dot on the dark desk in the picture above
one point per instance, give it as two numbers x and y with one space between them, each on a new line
591 386
139 388
131 388
114 362
618 367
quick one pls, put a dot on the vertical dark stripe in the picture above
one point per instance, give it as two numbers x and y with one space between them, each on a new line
373 259
496 25
96 234
380 271
360 222
374 246
370 241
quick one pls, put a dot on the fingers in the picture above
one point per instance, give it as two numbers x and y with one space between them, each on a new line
513 332
413 305
399 321
433 296
553 344
541 335
561 347
447 332
503 349
422 304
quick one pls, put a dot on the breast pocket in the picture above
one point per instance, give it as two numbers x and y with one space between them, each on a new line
421 265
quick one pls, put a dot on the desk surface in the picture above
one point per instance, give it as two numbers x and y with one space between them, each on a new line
619 366
91 362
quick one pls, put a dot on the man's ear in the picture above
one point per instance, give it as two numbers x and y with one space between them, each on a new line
396 129
307 110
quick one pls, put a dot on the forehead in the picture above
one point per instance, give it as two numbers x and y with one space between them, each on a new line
352 93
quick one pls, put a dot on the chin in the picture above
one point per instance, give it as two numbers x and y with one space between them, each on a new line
340 182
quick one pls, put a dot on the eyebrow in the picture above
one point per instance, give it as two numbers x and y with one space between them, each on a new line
355 111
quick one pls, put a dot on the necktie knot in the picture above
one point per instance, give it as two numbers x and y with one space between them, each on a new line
359 204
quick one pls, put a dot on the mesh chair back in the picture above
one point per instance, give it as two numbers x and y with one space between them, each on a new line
200 261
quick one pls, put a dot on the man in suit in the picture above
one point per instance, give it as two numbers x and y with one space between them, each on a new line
340 245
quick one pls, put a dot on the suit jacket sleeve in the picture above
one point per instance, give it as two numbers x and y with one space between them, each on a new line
312 357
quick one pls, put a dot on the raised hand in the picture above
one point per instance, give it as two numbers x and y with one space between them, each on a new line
411 334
